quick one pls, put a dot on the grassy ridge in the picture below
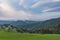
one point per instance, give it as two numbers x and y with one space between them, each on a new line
26 36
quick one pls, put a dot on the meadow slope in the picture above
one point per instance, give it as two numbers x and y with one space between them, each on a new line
27 36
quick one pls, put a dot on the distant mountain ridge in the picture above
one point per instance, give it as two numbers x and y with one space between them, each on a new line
32 24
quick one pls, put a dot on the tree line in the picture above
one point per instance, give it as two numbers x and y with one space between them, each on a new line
42 30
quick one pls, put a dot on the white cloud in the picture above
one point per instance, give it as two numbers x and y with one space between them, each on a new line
39 3
36 5
47 15
12 14
4 18
47 9
55 0
23 15
21 2
50 9
7 9
9 12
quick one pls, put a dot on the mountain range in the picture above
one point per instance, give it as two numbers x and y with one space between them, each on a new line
32 24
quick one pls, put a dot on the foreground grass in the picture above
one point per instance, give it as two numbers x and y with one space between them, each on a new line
26 36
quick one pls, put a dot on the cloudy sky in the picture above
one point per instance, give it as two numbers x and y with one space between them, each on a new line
29 10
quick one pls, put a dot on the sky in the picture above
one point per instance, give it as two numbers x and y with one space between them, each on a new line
29 10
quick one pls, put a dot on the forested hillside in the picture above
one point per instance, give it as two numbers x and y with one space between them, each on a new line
49 26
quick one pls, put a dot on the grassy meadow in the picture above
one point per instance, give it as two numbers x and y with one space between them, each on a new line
27 36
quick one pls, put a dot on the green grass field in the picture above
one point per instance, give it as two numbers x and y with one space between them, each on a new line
26 36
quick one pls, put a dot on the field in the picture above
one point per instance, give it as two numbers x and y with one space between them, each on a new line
26 36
